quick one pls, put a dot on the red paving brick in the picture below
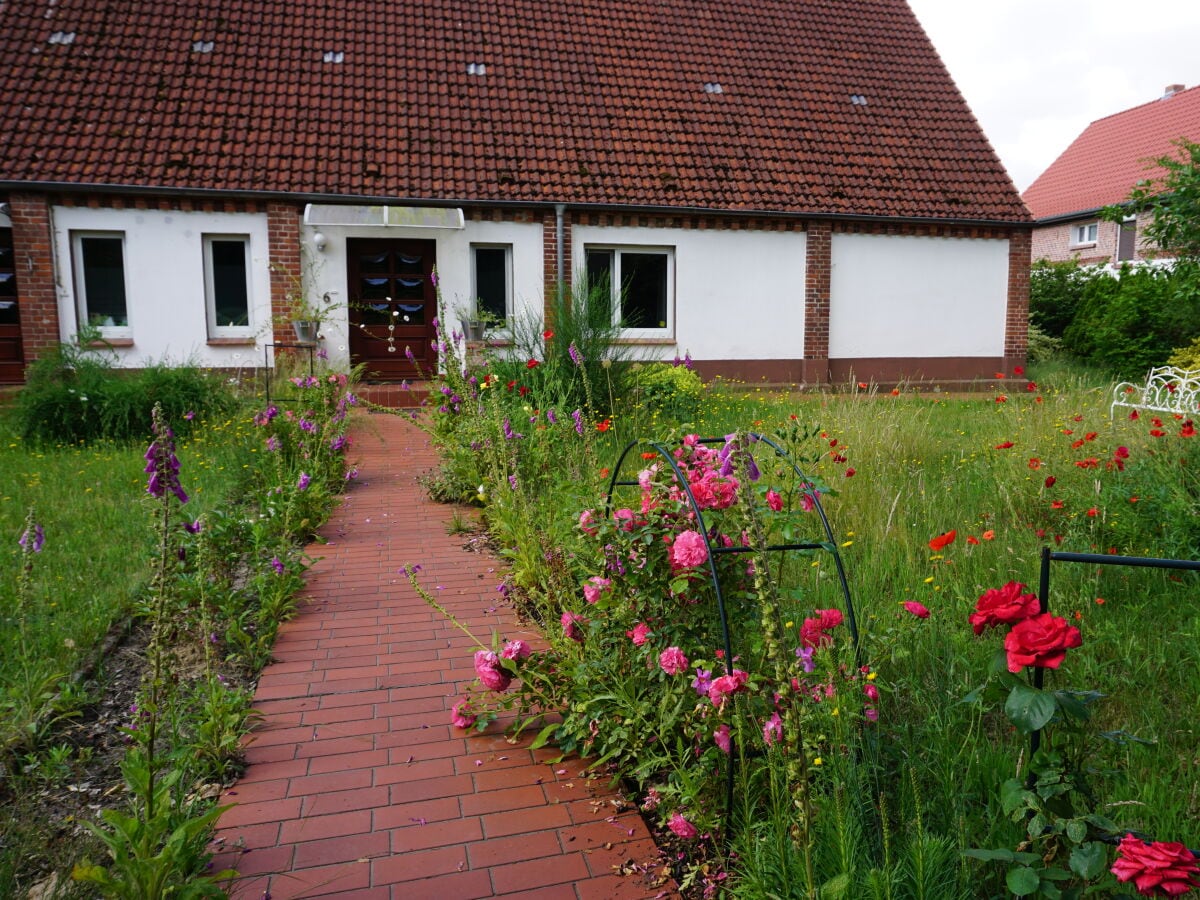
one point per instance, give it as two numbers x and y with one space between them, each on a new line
357 787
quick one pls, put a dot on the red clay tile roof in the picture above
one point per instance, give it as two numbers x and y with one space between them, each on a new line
824 107
1112 155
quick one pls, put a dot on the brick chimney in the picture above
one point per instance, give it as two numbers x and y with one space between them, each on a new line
1171 89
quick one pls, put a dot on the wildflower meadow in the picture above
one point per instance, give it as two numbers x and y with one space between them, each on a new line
804 629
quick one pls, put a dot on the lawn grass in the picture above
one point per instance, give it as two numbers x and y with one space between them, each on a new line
91 501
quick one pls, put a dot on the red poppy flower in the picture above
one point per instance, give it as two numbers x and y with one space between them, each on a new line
1031 387
1018 370
1090 436
999 374
1093 512
862 385
895 392
942 541
850 473
1005 445
512 384
1121 453
1050 481
1076 418
1188 429
1035 462
522 390
972 540
1001 399
650 454
989 535
547 334
1157 432
1075 445
603 426
1090 463
1056 504
532 364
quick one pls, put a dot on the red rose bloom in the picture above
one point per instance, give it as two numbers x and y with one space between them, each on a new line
1160 869
1003 606
1042 641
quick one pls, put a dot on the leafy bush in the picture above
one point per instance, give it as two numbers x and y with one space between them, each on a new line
1128 324
666 389
1055 292
1041 345
76 395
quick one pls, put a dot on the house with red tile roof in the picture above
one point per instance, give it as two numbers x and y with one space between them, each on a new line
1099 169
786 192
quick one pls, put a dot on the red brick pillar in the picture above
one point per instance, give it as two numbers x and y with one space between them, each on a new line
283 232
818 265
550 258
33 256
1016 324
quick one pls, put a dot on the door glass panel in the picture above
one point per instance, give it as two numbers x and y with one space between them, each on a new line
410 289
374 288
407 263
410 313
373 262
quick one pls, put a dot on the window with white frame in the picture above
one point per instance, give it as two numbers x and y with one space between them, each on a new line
98 258
227 284
491 280
639 283
1084 234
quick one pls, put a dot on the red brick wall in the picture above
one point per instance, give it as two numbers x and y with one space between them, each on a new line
817 271
1016 323
550 257
283 229
1053 242
33 252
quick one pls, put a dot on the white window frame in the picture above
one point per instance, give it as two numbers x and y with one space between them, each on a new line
666 331
215 329
508 276
1085 235
118 332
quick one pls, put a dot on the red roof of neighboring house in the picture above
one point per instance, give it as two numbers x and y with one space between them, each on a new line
749 105
1112 155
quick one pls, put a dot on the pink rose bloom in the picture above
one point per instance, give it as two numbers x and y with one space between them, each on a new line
638 634
830 618
570 623
917 609
721 738
774 501
872 692
689 550
672 661
490 672
461 716
681 827
624 519
595 587
727 685
586 520
515 650
773 730
871 714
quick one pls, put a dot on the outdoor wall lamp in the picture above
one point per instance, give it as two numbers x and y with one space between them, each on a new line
320 241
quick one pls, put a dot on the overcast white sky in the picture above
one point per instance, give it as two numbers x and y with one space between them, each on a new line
1037 72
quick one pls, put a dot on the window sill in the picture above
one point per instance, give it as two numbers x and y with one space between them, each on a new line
231 342
1087 246
108 342
646 341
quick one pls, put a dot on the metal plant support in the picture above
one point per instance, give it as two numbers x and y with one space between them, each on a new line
1095 559
828 545
267 368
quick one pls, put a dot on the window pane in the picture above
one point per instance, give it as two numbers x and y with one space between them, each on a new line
230 299
599 283
104 280
491 281
644 290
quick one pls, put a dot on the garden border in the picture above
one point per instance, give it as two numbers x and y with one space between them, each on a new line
829 545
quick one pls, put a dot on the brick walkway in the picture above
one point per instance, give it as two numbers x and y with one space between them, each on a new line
357 784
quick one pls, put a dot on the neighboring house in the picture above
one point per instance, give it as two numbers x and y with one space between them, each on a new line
1099 169
785 191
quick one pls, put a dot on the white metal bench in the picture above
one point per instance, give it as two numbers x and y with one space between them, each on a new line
1167 389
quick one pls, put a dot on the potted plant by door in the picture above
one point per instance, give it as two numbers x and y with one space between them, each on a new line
306 316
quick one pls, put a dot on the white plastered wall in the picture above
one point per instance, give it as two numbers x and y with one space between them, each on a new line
900 296
164 282
738 294
327 269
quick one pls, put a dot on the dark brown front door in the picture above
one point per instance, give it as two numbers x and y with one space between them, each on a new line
393 303
12 360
